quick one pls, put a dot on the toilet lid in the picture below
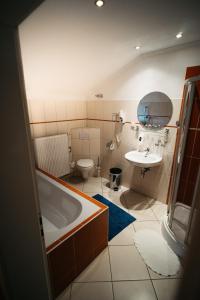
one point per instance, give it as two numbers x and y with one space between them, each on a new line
85 163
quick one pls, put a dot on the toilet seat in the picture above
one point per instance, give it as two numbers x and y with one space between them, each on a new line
85 163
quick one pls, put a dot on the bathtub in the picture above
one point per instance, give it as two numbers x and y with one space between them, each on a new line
63 208
75 229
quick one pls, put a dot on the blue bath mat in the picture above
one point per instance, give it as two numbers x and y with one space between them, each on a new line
118 218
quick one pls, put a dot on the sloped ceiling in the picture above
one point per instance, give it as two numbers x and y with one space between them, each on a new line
71 45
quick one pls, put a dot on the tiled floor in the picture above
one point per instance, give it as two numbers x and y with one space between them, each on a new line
119 272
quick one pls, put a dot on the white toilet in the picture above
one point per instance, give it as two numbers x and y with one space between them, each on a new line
85 166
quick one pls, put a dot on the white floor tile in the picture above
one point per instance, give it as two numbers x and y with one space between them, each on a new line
155 202
92 291
94 180
91 194
98 270
159 210
143 214
125 237
154 225
139 206
136 201
166 288
65 295
127 264
76 182
92 187
106 188
116 198
134 290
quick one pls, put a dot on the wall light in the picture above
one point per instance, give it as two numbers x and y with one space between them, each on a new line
99 3
179 35
137 48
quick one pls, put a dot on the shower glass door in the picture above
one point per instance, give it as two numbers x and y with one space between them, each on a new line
182 205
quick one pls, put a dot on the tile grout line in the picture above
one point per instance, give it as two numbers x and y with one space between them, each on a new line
124 280
111 272
152 283
147 271
70 293
155 214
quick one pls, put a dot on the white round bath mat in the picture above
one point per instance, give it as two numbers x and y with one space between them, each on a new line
156 252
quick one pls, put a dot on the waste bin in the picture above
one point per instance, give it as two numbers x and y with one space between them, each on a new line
115 178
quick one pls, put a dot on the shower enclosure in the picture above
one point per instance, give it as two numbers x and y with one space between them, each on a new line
185 184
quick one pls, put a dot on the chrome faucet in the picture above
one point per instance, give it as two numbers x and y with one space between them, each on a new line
147 151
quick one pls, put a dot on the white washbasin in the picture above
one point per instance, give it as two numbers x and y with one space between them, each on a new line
143 160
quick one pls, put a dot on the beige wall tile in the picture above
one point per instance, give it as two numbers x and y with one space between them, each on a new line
50 110
75 133
176 111
29 111
62 127
95 147
39 130
94 133
108 110
85 147
61 110
108 130
51 128
37 111
32 130
76 147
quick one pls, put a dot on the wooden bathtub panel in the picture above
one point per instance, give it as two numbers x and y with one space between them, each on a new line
100 233
83 249
71 257
91 240
62 265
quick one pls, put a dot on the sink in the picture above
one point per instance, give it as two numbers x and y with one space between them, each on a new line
140 159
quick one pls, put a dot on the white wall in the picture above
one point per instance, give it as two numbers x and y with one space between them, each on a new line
72 51
159 71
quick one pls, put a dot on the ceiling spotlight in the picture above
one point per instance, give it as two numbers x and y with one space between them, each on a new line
137 48
179 35
99 3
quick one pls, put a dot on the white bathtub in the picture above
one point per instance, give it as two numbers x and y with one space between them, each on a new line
63 209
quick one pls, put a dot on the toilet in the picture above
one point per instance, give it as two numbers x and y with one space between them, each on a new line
85 166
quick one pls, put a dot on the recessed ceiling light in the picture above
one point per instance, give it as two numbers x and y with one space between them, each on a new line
99 3
179 35
137 48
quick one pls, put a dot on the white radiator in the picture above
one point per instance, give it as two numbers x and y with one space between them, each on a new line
52 154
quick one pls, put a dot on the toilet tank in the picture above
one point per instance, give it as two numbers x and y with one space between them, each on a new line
85 143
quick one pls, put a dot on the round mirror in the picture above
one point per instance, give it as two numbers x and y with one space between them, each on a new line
155 110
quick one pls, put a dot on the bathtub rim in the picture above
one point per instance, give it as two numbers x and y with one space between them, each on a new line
102 208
